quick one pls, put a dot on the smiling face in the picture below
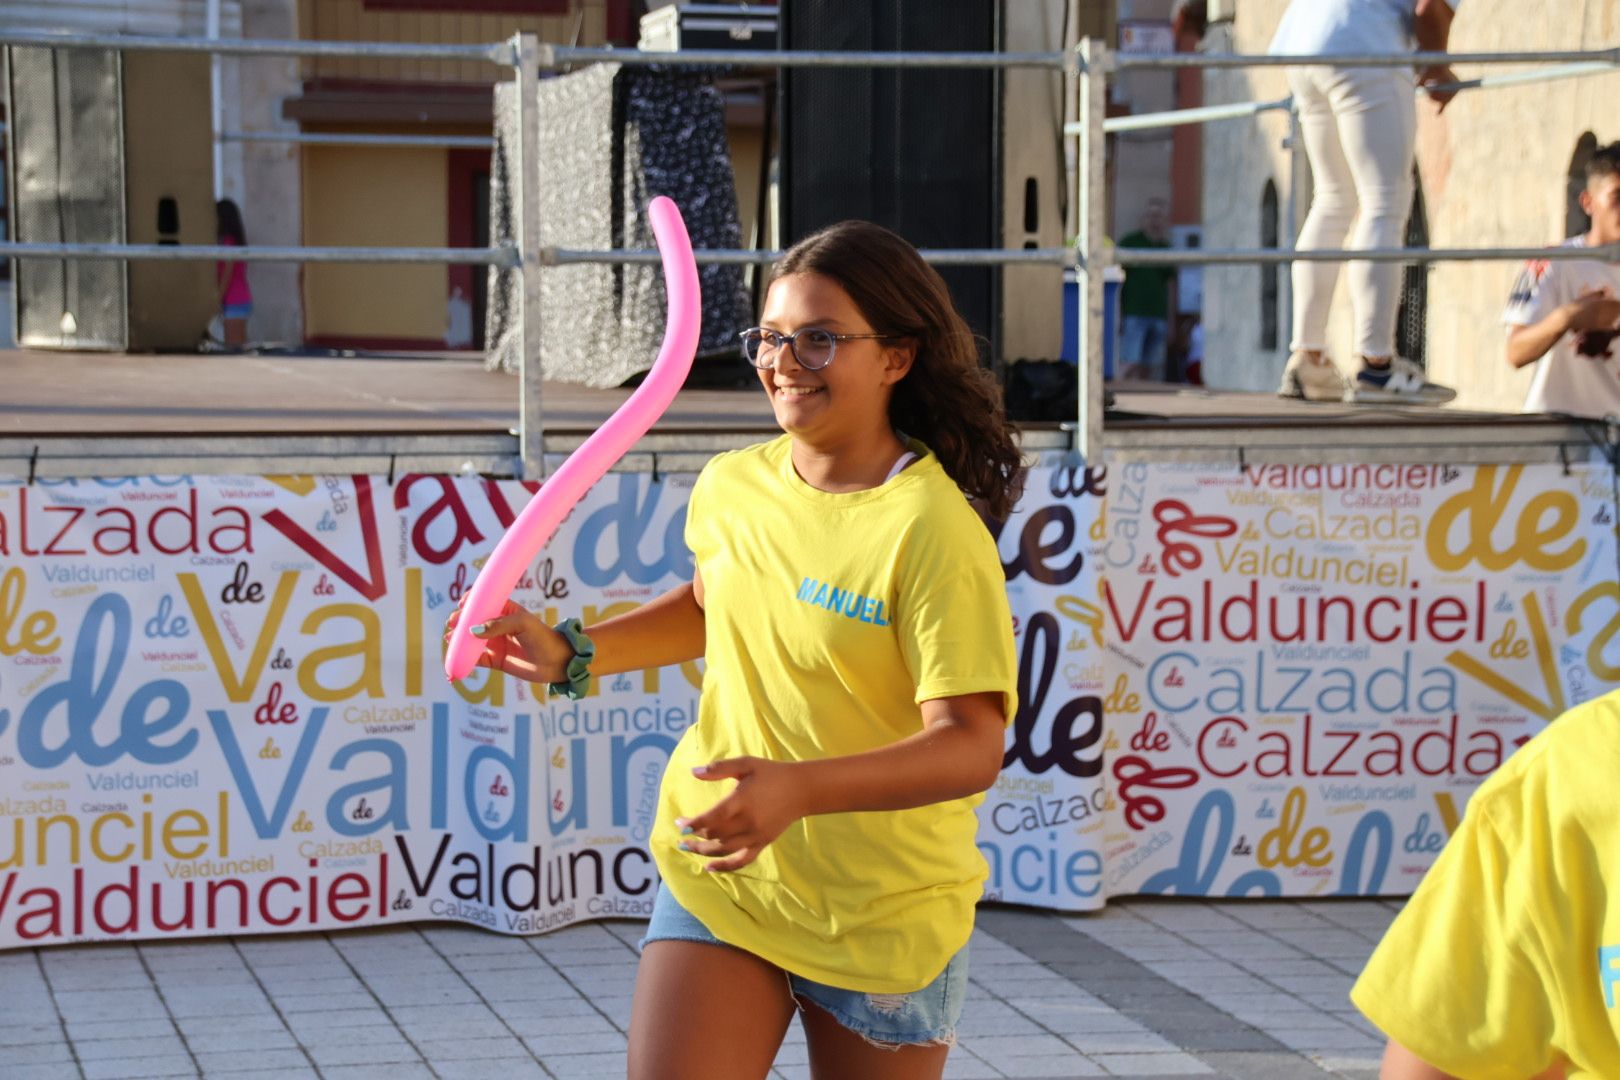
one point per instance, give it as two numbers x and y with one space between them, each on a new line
849 398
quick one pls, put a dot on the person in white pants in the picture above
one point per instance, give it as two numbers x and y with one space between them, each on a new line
1359 126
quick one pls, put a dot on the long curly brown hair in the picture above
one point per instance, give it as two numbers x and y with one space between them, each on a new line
947 399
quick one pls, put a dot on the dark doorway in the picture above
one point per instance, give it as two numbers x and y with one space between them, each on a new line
469 227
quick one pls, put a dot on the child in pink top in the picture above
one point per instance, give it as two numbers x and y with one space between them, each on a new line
235 298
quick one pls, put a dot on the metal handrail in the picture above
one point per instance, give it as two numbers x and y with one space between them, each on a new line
744 257
303 138
492 256
1129 257
499 53
555 56
1149 62
1203 114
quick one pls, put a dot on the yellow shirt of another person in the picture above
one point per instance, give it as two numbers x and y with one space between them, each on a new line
1508 955
829 619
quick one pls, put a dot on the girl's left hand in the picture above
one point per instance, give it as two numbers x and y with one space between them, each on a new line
769 797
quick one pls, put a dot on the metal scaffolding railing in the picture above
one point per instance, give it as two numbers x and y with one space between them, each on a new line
1091 62
312 138
1092 128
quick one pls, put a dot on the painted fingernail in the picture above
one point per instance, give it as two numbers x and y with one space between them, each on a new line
686 830
684 846
480 628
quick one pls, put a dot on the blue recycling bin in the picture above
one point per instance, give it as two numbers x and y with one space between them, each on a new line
1113 278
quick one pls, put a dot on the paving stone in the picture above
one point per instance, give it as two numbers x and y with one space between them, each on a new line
27 1034
383 1071
53 1071
584 1066
223 1041
484 1068
238 1061
149 1046
140 1068
469 1048
574 1042
1156 1065
32 1054
1029 1068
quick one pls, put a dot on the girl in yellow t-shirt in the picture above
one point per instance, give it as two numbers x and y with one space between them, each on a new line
816 825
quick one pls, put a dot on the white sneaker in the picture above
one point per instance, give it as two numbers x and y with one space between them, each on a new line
1405 383
1310 380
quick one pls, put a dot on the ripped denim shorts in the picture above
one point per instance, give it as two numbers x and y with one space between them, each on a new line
923 1017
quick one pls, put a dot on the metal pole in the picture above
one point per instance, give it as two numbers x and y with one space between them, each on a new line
1524 78
214 103
531 433
1093 206
1149 61
1416 256
1179 117
1290 232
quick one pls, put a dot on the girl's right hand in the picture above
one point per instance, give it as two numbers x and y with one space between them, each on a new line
519 644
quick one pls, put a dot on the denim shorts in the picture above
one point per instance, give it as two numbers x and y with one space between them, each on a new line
923 1017
237 311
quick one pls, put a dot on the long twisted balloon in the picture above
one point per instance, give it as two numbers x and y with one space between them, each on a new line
610 442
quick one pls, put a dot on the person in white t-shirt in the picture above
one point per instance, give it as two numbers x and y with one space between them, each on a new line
1359 126
1566 314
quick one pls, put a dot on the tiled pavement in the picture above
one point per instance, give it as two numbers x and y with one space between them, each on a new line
1251 990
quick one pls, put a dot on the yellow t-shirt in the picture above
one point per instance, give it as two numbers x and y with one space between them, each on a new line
829 619
1508 954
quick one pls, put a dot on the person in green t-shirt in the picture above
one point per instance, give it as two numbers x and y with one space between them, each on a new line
1144 301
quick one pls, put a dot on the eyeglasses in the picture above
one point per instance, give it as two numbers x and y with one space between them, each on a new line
812 347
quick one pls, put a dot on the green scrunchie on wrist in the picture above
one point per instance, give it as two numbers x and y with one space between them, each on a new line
579 668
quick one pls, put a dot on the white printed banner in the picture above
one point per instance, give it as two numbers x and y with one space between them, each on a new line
221 705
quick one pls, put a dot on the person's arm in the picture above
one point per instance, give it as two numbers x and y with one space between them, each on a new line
666 630
1594 310
1401 1064
1431 27
957 753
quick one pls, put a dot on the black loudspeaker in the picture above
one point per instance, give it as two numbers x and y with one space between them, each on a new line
110 148
913 149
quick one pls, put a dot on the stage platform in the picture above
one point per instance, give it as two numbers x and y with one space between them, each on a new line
101 414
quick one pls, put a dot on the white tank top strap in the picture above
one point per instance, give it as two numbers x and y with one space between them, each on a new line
899 463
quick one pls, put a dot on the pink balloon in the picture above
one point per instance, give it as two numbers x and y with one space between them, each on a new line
586 465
